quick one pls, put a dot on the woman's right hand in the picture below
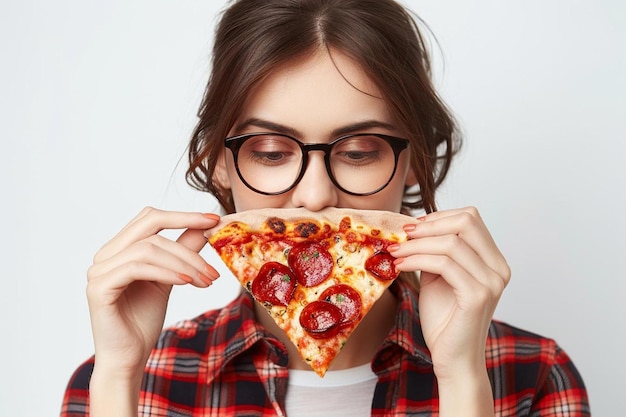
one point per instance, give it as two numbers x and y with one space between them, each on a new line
129 285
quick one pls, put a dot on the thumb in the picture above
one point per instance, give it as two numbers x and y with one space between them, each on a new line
193 239
427 278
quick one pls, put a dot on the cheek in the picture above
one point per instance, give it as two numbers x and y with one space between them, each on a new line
390 198
246 199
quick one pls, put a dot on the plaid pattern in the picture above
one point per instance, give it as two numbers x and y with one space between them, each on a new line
223 363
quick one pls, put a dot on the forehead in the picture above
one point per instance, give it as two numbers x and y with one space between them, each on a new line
317 93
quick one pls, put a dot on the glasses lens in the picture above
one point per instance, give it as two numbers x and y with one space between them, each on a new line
269 163
362 164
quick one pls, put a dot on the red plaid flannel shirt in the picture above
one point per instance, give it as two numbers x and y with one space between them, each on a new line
224 363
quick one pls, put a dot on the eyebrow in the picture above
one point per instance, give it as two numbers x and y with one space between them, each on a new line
287 130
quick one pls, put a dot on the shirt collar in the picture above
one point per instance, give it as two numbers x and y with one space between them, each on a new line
235 331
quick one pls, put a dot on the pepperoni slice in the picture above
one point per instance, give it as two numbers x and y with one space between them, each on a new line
311 263
321 319
347 299
381 266
274 284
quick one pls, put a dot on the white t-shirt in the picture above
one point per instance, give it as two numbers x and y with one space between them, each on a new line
348 392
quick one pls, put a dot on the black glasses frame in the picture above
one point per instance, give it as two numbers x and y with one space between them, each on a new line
234 143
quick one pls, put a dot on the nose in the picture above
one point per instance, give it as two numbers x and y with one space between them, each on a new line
315 190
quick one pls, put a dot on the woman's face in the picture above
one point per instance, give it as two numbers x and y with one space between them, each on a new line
316 101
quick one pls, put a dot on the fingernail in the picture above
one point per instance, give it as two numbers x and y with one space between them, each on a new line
211 271
185 278
205 279
398 261
409 227
394 247
421 219
211 216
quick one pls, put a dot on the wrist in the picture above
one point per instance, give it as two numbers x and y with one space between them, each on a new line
468 394
114 393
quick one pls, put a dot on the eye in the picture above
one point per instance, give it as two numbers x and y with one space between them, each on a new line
358 156
270 150
267 156
361 150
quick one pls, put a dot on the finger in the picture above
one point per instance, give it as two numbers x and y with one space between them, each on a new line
106 289
151 221
193 239
471 294
458 251
459 221
436 215
467 224
440 266
144 212
141 214
159 251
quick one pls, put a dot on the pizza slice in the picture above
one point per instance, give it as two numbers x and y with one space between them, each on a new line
317 273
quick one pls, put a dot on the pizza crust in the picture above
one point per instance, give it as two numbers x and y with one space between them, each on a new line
386 221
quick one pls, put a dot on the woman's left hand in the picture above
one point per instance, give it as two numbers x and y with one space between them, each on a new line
463 275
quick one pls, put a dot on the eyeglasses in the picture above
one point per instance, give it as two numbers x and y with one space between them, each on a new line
359 164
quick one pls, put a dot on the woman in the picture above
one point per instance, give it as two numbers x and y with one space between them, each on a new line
318 71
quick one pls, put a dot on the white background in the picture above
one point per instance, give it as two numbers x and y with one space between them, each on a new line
98 99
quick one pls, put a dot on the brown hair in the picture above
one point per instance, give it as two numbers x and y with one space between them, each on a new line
253 37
